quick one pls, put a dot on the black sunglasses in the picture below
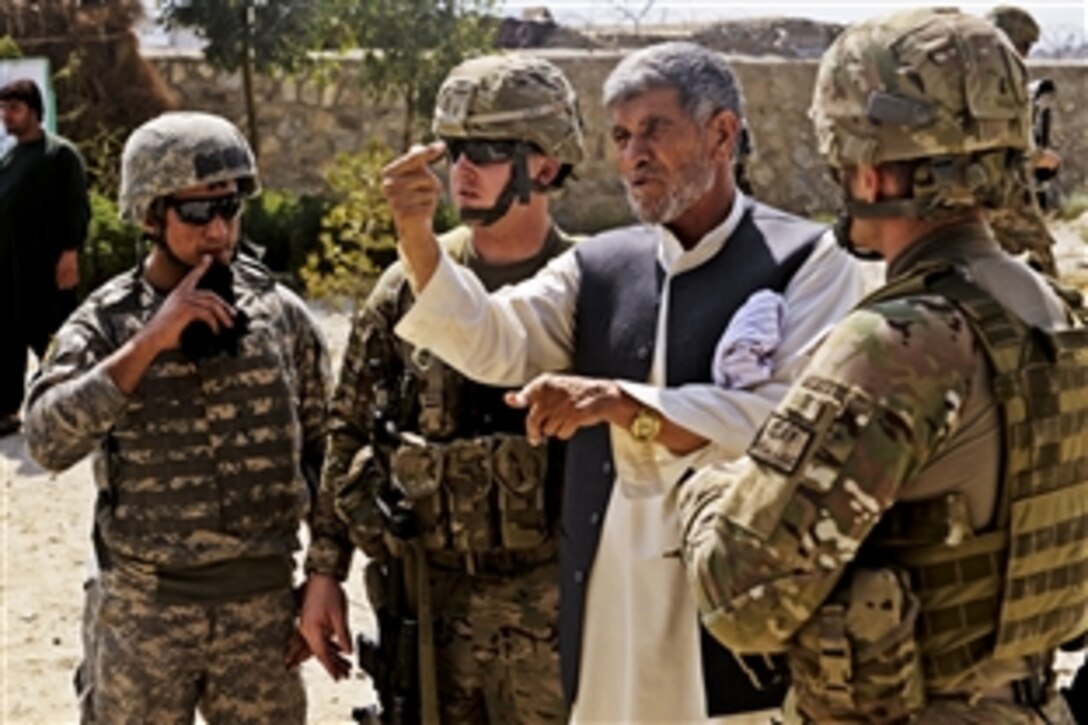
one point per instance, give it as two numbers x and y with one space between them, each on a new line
199 212
480 151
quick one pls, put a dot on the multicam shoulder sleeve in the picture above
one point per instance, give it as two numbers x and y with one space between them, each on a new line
767 538
370 362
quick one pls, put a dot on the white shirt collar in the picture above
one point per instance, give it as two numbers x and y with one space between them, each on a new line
674 259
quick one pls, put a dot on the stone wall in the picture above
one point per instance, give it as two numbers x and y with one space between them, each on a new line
305 121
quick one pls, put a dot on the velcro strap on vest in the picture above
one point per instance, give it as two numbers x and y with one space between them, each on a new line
836 657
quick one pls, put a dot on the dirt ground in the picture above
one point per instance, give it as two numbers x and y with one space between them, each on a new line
44 544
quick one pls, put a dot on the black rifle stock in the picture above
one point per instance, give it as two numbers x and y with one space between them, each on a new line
391 660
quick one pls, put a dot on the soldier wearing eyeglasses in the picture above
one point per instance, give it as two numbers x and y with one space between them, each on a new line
431 472
199 386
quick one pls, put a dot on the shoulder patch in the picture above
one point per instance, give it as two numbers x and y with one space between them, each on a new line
782 443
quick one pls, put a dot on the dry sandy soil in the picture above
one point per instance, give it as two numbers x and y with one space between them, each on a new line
44 543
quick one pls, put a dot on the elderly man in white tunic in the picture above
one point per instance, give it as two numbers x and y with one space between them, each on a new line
615 343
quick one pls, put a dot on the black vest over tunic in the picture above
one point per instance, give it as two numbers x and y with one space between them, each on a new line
616 322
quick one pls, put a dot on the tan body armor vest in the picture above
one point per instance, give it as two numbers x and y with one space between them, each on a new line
1020 588
476 484
211 445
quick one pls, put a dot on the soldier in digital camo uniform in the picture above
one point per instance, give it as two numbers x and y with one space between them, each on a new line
200 387
1020 225
407 430
909 524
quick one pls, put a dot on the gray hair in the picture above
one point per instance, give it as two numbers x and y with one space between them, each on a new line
703 78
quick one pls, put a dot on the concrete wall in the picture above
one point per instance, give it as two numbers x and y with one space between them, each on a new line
305 121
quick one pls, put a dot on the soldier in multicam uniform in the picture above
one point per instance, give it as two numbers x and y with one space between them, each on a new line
204 411
407 430
1020 225
909 525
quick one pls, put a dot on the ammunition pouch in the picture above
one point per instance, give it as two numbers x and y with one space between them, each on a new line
519 474
857 659
475 495
417 468
467 487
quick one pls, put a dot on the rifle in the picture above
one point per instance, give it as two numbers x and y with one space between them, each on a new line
391 660
401 661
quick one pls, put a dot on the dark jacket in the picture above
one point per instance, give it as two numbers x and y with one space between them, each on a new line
616 320
44 211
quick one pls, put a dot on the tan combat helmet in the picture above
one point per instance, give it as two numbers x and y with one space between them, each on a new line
178 150
935 86
515 98
1018 24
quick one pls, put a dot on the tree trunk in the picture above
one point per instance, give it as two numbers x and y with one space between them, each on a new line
409 119
247 78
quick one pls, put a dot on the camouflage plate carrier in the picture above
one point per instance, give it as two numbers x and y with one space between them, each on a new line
946 90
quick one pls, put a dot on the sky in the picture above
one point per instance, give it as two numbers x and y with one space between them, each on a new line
1060 19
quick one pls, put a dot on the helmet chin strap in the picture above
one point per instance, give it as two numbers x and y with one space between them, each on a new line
519 187
841 230
172 258
882 208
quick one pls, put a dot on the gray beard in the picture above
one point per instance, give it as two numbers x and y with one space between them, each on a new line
696 181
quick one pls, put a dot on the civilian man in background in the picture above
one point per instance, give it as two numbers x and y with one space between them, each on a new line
43 221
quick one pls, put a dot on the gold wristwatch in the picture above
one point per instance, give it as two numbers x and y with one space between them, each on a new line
646 425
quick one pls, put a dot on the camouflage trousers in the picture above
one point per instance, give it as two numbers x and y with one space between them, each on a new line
154 663
497 646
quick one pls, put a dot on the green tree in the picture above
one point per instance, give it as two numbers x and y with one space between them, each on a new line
410 46
253 36
9 48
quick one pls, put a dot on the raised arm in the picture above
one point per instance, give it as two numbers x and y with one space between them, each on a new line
87 377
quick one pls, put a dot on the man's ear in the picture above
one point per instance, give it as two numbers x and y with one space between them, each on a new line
154 227
546 170
724 129
869 183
